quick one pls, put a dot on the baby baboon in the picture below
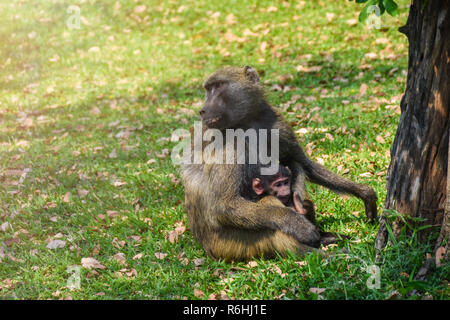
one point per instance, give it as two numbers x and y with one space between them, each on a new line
257 186
276 190
230 226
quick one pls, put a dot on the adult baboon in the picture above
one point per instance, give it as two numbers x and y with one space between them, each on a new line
229 226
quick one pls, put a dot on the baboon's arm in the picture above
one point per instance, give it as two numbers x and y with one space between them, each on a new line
318 174
241 213
301 167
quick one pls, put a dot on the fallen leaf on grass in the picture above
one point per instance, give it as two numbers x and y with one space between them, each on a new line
163 154
351 22
404 274
135 238
112 213
278 270
82 193
371 56
12 258
440 252
94 111
148 221
119 183
363 89
118 244
96 250
301 68
179 229
140 9
124 134
132 273
113 154
160 255
120 258
90 263
94 49
226 281
55 244
330 16
198 262
366 174
316 290
212 296
301 263
380 139
5 226
198 293
137 257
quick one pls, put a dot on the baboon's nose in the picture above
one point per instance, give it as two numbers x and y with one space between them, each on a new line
202 111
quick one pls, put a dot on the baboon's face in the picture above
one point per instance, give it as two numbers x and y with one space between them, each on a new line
216 111
281 188
231 96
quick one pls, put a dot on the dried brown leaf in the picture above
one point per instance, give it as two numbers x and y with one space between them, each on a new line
138 256
66 197
55 244
380 139
198 262
82 193
317 290
440 252
160 255
198 293
252 264
120 258
91 263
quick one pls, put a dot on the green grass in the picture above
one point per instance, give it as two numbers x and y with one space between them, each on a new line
86 109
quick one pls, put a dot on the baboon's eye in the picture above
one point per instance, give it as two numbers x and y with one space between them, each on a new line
219 84
211 88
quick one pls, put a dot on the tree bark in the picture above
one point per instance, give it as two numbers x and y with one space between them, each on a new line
442 243
417 174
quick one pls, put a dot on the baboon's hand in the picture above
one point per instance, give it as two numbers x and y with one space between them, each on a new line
298 205
370 203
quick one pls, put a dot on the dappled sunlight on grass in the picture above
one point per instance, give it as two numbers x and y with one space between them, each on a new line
86 116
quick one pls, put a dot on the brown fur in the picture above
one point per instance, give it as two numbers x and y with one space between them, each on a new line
228 225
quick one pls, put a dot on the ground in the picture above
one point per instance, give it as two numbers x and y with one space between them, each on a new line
88 105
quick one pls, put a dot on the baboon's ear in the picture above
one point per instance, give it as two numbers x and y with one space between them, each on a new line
257 186
251 74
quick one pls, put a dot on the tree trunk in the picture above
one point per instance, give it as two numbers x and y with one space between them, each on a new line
417 174
442 243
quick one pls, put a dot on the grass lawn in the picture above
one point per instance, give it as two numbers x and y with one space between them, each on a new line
86 116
